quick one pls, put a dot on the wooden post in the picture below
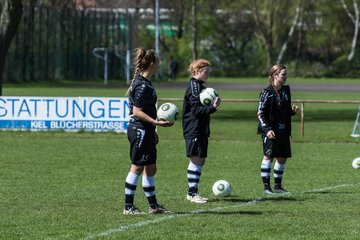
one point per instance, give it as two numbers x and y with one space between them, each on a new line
302 118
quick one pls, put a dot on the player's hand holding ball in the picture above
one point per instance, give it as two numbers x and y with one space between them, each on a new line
163 123
216 103
210 96
167 114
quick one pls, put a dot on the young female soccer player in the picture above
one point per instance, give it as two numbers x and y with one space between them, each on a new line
274 115
196 126
141 132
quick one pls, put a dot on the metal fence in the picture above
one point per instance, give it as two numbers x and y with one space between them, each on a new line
55 44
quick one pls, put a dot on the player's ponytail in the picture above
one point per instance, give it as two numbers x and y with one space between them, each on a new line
143 59
139 54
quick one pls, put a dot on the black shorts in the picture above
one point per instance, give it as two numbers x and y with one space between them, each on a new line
196 147
142 145
278 147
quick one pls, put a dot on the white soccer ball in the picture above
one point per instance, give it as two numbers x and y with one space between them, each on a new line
221 188
356 163
168 112
207 96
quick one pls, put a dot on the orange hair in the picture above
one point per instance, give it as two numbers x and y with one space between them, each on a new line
196 65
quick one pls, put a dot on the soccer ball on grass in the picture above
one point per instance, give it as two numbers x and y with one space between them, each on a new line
356 163
221 188
168 112
207 96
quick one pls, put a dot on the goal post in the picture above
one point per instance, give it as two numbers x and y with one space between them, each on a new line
356 129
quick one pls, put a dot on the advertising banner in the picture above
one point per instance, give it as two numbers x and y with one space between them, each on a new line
64 113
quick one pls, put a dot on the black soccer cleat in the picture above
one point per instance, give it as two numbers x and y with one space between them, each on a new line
280 190
268 190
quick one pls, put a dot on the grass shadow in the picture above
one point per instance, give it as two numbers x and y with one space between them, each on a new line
232 199
235 199
220 212
280 199
232 212
328 192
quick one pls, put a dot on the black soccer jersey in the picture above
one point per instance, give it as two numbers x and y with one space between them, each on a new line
143 95
274 111
195 117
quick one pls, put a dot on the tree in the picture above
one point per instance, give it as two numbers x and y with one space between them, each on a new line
11 11
178 10
58 3
355 21
194 30
291 32
226 38
271 19
263 27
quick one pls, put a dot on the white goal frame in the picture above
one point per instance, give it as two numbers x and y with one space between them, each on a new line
356 129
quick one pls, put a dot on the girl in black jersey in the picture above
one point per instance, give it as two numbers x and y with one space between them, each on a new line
196 126
141 132
274 115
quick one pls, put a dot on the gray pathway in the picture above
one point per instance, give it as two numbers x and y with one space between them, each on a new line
306 87
318 87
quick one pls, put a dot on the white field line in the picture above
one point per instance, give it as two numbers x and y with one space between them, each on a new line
125 228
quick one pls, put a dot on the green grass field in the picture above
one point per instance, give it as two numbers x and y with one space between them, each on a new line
59 185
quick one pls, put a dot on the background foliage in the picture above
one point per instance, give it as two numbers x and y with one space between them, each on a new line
241 38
